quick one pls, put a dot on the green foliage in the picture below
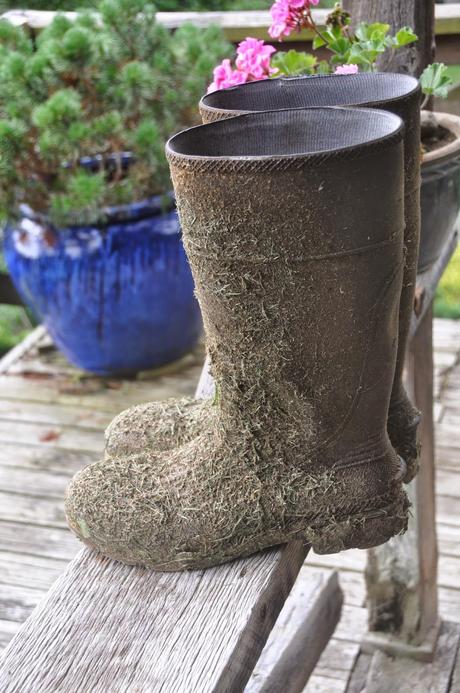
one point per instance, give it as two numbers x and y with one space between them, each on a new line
294 63
161 5
364 46
14 326
447 300
96 88
435 80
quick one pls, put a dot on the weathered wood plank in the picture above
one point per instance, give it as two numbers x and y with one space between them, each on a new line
402 574
236 24
353 559
53 415
338 659
351 582
45 458
15 507
17 603
25 571
31 540
204 629
449 604
7 630
324 684
33 483
455 680
63 437
448 510
393 673
357 681
352 625
103 395
158 617
302 631
448 539
447 457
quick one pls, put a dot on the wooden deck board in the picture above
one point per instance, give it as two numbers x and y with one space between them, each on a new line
35 544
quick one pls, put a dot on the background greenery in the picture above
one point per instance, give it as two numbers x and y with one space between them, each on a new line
15 323
162 5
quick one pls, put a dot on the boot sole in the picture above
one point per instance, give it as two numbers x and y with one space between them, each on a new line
363 530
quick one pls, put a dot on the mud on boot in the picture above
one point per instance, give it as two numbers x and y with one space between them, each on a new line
300 309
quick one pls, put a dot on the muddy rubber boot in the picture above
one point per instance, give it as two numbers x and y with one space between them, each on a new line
300 312
165 425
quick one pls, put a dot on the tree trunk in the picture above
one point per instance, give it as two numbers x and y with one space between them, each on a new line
417 14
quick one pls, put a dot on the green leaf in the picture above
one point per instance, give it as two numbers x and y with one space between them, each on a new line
318 42
341 46
362 31
323 68
435 80
405 36
293 63
377 30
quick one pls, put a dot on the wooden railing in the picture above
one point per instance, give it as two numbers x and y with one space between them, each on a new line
238 25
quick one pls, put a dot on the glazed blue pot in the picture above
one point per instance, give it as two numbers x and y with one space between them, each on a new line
116 299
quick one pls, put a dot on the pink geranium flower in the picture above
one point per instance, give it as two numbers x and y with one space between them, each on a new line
346 69
252 63
225 76
253 57
288 15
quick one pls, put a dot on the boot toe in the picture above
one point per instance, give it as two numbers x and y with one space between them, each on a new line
154 426
106 508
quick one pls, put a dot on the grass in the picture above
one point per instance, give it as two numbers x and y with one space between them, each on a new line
14 322
14 326
447 301
454 73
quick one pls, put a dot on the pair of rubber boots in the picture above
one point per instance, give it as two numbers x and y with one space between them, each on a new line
301 225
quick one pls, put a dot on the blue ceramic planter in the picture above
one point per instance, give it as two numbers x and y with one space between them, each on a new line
116 299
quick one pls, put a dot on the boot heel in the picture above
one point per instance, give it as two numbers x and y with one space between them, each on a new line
364 530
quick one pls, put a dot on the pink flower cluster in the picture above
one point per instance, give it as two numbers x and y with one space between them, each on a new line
346 69
252 63
288 15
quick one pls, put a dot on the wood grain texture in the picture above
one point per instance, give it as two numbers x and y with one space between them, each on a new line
402 574
31 540
418 14
301 633
26 570
204 630
401 674
358 674
108 627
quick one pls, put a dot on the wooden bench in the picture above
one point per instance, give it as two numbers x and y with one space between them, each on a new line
105 627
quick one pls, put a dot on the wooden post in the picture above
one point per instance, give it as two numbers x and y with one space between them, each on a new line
418 14
402 574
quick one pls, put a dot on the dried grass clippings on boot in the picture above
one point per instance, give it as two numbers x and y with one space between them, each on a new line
396 93
300 307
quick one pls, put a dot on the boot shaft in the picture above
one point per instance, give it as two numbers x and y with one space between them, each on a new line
401 95
297 282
